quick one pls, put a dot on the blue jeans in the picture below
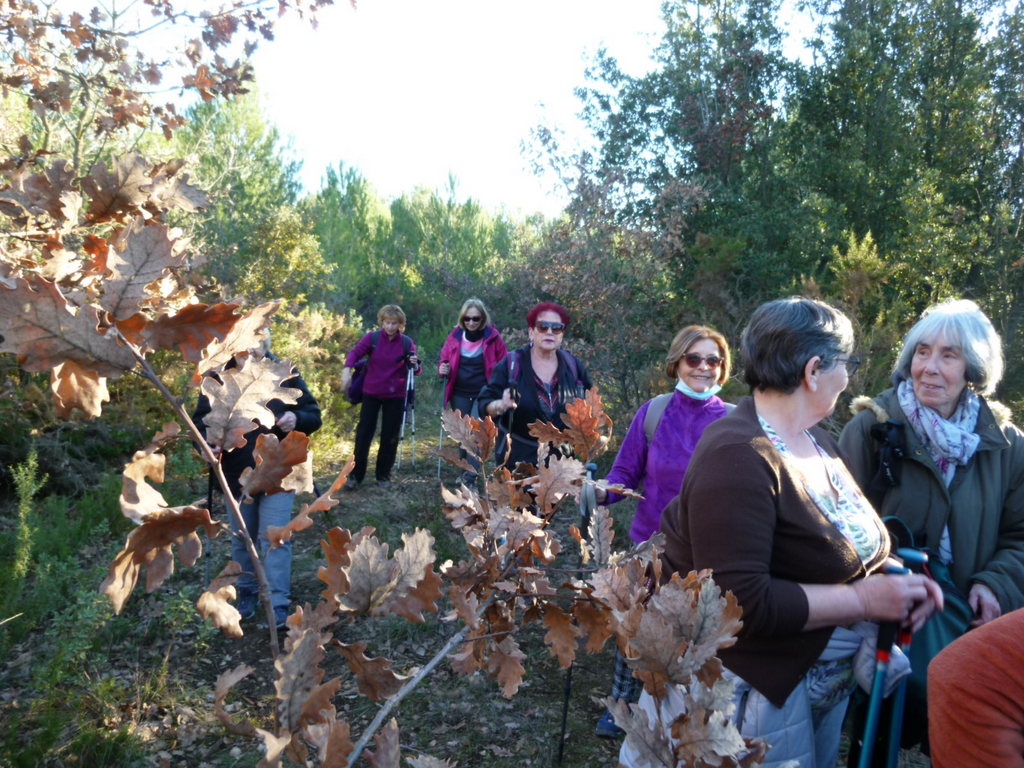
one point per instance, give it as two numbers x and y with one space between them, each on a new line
262 511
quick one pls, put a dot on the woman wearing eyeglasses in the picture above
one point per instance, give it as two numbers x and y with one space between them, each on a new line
657 449
468 358
533 383
770 508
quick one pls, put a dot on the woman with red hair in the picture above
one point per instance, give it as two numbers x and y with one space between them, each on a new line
533 383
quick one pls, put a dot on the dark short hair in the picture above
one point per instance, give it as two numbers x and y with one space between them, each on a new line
965 326
782 335
689 336
547 306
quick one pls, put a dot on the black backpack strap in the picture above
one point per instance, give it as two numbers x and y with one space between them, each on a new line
892 448
572 368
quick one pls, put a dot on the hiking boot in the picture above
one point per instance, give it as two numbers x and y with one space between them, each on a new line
246 605
384 483
280 617
351 484
607 728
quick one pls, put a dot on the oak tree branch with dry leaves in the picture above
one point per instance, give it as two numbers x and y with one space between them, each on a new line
94 281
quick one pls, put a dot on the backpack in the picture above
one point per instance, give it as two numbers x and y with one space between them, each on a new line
354 393
657 409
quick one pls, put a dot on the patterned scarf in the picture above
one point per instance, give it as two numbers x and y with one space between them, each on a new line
951 442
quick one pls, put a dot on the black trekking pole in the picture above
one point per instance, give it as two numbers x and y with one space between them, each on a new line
588 501
440 429
209 508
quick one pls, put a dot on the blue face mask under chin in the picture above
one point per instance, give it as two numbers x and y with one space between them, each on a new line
686 390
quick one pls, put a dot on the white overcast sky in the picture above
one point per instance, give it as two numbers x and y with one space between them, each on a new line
410 91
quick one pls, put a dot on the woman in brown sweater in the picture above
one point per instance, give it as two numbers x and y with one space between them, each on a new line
770 508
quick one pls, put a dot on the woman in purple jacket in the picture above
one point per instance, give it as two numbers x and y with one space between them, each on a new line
468 356
390 354
698 360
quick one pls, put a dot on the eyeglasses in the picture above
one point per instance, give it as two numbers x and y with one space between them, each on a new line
694 360
472 318
852 364
544 325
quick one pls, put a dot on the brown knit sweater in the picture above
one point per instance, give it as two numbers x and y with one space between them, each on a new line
743 514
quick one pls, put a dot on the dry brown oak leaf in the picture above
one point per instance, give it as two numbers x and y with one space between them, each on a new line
76 387
275 460
191 329
562 634
404 586
682 628
504 663
301 697
278 534
225 682
135 187
333 742
239 401
587 426
373 676
139 499
215 602
477 436
245 334
560 478
42 200
39 326
151 545
140 254
388 754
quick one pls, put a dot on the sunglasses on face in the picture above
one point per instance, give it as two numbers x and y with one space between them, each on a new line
544 325
694 360
472 318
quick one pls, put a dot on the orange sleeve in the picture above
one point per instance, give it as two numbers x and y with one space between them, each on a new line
976 698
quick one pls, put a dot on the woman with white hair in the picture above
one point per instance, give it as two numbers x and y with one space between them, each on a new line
938 455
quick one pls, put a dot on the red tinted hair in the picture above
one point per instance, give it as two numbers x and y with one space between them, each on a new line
547 306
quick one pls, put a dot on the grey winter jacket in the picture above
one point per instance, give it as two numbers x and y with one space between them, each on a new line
984 504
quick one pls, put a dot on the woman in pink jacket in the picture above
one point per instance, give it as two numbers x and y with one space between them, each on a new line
468 356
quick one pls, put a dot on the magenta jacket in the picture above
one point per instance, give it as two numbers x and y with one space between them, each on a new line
659 468
385 370
494 352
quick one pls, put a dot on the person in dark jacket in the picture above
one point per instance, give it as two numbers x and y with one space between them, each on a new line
468 358
264 509
543 379
390 355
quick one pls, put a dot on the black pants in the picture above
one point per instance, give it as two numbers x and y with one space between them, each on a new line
392 411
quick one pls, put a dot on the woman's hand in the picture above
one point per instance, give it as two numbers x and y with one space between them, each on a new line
507 403
286 421
907 598
444 369
984 604
413 359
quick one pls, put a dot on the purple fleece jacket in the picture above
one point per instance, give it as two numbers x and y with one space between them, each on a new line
659 467
385 371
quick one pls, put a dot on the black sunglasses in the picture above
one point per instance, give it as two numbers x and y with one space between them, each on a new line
544 325
694 360
472 318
